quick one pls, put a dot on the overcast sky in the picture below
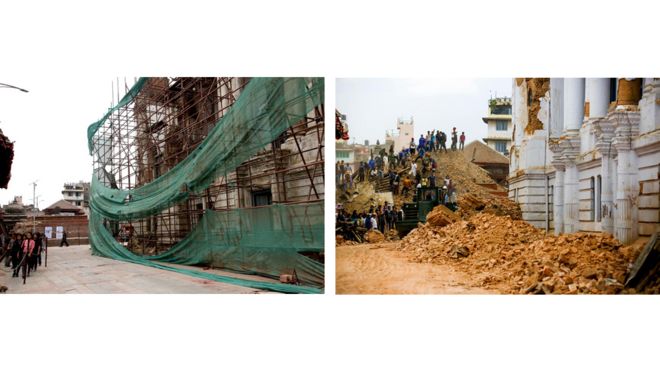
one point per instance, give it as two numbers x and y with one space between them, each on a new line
48 126
372 106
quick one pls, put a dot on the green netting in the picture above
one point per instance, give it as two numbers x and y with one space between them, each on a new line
128 98
265 109
103 244
266 241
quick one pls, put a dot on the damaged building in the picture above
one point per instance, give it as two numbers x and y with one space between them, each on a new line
586 154
162 124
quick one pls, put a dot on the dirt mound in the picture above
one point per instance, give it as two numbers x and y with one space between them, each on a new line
441 216
516 257
362 197
341 241
470 204
374 236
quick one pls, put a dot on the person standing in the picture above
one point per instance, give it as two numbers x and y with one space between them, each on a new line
64 241
462 141
16 254
443 141
454 139
432 179
28 250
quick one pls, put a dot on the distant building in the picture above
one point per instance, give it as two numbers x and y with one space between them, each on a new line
63 208
495 163
345 152
401 138
77 194
498 120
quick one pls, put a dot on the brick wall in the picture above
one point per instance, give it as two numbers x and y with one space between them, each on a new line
76 228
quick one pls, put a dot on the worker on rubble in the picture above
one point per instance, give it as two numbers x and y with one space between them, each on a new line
443 141
432 179
454 139
406 185
462 141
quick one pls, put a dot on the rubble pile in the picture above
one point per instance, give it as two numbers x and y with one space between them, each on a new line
516 257
470 204
362 197
441 216
465 175
341 241
374 236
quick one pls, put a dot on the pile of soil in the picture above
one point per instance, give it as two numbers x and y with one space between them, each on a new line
374 236
341 241
470 204
515 257
362 197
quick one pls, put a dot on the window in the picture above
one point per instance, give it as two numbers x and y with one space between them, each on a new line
262 198
502 125
592 198
599 195
500 146
501 110
342 154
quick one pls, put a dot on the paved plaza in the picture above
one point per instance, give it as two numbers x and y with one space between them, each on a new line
74 270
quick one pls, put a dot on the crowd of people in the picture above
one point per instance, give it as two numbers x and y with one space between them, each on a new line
388 164
382 218
23 250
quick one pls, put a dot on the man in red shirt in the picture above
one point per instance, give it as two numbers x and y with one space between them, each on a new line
462 138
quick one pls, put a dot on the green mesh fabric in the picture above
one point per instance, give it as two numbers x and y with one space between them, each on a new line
265 109
103 244
128 98
267 241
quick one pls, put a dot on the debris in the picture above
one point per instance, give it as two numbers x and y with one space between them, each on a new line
440 216
519 258
374 236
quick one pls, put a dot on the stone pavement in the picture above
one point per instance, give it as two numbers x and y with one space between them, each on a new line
74 270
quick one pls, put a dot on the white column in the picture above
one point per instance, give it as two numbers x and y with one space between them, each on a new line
571 222
573 103
556 107
623 223
599 97
573 117
558 202
606 200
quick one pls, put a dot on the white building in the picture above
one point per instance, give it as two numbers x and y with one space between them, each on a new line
77 194
401 138
586 154
499 124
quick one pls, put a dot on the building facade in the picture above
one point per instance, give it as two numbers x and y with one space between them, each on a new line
77 194
499 124
405 131
586 154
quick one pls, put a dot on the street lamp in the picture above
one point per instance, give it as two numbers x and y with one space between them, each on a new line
3 85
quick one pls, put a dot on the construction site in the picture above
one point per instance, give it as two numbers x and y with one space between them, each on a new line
491 239
224 173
